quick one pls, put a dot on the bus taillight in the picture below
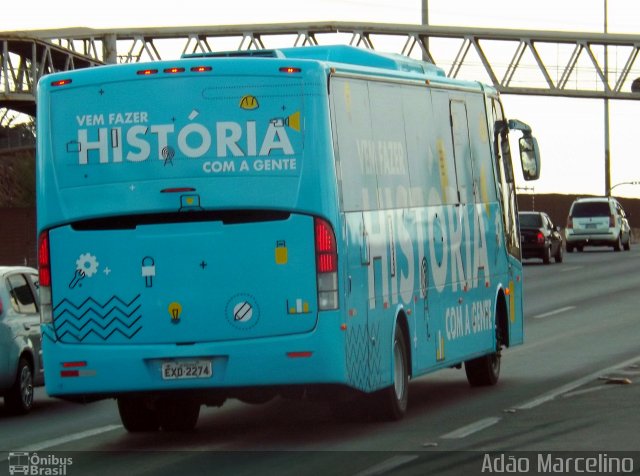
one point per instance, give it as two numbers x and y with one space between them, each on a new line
61 82
44 264
289 69
326 265
44 271
325 247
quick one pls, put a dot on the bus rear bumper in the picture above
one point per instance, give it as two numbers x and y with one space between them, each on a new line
81 371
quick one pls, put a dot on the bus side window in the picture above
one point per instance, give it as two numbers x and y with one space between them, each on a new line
506 155
444 150
462 151
419 123
354 146
389 145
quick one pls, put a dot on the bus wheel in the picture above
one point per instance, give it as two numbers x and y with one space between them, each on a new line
391 402
178 414
137 414
484 370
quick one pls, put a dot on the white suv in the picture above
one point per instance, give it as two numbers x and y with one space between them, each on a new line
597 222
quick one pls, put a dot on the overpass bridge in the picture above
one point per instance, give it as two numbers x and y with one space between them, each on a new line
25 59
546 63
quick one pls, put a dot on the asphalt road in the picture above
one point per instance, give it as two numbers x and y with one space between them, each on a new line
572 387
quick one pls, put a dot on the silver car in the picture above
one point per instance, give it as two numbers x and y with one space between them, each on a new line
20 338
597 221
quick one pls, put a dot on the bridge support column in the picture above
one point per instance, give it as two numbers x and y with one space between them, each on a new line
109 48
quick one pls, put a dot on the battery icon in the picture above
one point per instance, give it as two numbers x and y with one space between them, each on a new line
282 254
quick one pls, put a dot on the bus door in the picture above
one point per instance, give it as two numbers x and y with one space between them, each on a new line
507 198
464 209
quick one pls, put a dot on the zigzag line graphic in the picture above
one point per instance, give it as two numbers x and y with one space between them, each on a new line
98 315
91 300
104 328
91 316
92 331
92 303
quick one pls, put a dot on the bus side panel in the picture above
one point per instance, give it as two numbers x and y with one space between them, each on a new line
424 254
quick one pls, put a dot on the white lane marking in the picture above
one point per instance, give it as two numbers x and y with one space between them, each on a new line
570 268
554 312
388 465
69 438
572 385
586 391
465 431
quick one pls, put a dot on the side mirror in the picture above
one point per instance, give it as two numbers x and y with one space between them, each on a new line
529 157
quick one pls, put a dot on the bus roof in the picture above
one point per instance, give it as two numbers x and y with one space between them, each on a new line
338 58
337 54
355 60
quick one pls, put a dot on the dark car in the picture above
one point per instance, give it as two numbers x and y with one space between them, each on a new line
540 237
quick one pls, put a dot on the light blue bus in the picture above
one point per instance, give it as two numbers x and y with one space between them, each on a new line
307 222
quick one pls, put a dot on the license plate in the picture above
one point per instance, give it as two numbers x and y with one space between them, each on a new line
591 225
182 369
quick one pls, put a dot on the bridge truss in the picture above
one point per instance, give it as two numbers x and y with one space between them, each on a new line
545 63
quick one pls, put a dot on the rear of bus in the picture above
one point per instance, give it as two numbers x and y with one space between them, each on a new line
186 218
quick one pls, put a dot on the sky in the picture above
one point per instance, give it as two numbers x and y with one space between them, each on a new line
570 132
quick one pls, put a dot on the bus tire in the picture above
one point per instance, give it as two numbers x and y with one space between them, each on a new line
19 398
483 371
391 402
178 414
138 414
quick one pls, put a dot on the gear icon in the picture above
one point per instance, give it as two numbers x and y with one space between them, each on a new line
87 264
